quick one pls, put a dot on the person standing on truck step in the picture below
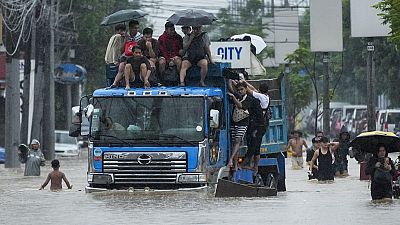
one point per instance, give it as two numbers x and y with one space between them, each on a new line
137 69
198 53
297 143
149 46
257 124
56 177
131 39
170 44
239 124
324 155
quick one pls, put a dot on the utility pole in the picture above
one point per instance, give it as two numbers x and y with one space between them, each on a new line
370 85
326 110
12 109
12 123
49 108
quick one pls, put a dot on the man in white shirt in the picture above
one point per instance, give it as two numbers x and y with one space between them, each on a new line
115 45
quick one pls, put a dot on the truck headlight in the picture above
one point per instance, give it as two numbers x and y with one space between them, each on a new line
192 178
90 177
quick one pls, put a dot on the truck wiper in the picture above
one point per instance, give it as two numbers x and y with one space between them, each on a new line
146 139
111 136
175 136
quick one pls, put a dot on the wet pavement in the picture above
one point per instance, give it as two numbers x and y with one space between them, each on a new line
346 201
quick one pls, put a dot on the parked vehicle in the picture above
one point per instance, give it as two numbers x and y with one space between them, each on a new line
350 113
2 155
359 121
336 109
388 120
65 146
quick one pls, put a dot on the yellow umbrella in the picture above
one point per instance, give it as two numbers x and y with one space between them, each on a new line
369 141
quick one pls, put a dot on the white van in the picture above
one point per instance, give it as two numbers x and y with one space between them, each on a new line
65 145
359 122
350 112
388 120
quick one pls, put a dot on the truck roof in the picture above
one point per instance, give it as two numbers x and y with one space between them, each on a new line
160 91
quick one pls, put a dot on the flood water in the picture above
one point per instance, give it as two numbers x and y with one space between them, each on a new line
346 201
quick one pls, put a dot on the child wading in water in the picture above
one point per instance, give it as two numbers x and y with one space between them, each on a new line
56 178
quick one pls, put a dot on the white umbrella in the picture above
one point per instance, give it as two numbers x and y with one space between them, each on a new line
256 40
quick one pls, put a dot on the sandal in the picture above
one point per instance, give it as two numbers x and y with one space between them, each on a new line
182 84
111 86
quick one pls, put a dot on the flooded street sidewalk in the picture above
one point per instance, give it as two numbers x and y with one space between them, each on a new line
346 201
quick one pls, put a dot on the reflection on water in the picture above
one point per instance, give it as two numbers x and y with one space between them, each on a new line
346 201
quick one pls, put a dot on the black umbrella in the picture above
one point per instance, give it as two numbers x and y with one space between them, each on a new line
192 17
122 16
368 141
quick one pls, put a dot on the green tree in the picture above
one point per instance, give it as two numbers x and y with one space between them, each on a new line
391 15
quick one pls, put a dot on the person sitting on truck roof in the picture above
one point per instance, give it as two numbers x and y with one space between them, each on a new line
131 39
149 46
198 53
115 49
170 44
137 69
115 45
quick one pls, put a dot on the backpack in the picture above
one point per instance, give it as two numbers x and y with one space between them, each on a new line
170 77
129 45
196 51
268 111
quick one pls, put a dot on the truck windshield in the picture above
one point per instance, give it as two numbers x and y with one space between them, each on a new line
148 119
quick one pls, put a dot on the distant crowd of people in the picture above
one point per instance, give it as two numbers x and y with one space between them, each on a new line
327 160
139 56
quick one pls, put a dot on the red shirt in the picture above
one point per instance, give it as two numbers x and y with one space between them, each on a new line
170 45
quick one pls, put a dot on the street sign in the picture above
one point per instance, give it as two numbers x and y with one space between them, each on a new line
237 53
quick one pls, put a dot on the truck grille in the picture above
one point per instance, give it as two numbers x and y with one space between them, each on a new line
130 168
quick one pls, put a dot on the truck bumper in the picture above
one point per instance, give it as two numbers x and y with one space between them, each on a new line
139 190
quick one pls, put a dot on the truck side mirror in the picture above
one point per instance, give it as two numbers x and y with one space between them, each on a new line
76 115
76 120
214 118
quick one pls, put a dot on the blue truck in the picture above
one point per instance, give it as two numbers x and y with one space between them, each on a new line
170 137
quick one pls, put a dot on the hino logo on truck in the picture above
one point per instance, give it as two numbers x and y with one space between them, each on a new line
113 156
144 159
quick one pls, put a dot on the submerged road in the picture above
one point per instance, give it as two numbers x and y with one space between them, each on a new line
346 201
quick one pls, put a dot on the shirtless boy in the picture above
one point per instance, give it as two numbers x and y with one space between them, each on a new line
56 177
297 143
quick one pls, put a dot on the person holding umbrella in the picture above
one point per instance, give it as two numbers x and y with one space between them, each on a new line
197 52
381 170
